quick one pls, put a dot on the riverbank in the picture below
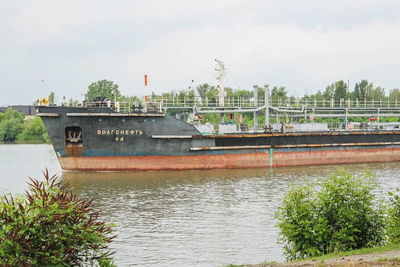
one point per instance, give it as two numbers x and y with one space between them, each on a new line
378 256
27 142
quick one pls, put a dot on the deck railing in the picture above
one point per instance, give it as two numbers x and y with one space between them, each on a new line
160 104
275 102
300 110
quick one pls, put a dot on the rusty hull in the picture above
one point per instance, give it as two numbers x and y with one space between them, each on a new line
268 158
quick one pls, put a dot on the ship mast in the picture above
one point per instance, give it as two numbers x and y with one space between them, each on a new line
221 73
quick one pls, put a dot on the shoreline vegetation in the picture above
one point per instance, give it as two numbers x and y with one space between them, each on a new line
16 128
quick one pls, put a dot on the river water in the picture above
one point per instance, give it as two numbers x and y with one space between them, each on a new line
183 218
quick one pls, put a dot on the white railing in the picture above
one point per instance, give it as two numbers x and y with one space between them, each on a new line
275 102
159 104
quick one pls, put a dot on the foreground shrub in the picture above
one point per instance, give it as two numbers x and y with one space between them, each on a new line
49 225
393 219
34 131
338 214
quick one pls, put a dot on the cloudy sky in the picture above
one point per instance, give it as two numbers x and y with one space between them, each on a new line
64 45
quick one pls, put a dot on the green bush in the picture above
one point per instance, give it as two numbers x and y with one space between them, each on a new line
49 225
338 214
393 219
34 131
11 124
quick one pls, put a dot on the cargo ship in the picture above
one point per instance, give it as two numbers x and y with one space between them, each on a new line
101 136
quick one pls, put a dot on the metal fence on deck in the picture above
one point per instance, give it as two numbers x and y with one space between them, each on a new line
161 103
274 102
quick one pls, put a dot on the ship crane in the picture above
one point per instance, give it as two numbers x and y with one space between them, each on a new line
221 73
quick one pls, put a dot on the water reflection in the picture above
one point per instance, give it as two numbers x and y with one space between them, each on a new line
199 218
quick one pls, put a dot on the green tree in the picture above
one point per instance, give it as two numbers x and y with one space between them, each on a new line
203 89
212 93
34 131
394 94
329 92
336 214
50 226
229 91
11 125
242 93
278 93
340 89
319 96
363 90
128 99
336 90
103 88
378 93
51 98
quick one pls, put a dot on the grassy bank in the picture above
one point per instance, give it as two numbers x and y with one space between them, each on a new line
363 251
382 255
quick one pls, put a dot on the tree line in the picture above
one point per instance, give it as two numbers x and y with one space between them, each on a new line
15 127
363 90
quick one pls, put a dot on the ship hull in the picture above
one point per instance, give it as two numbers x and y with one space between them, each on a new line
265 159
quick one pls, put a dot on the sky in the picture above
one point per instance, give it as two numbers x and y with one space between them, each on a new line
62 46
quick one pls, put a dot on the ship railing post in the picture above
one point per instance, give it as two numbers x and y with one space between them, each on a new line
255 118
378 111
313 114
266 100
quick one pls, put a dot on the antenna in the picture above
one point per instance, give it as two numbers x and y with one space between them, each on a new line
220 68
